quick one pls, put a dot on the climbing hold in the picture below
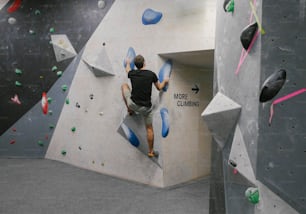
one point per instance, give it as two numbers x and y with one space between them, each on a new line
41 77
32 32
91 96
50 112
232 163
17 83
14 129
63 152
14 6
86 110
229 5
51 30
54 68
101 4
130 55
150 17
165 121
64 87
101 113
235 171
12 141
165 72
59 73
49 100
15 99
77 105
248 34
131 136
67 101
37 12
44 103
252 195
18 71
51 126
73 129
80 148
40 143
272 85
11 20
93 162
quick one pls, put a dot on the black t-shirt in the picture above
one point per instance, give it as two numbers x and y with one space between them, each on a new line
142 86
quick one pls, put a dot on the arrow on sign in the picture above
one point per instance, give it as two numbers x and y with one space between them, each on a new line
195 89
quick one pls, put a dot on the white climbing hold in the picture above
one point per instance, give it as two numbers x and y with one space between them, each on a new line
12 20
101 4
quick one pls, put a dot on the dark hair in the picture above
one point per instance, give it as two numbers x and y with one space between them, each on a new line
139 61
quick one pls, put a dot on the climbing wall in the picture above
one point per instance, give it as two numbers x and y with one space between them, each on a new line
40 50
95 132
257 66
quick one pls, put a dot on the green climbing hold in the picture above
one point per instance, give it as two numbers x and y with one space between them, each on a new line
18 71
37 12
67 101
73 129
229 5
54 68
50 112
59 73
17 83
40 143
64 87
64 152
51 126
52 30
49 100
252 195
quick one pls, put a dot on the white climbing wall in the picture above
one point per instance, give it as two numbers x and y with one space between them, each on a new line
96 144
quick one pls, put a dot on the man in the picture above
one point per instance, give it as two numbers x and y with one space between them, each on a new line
139 98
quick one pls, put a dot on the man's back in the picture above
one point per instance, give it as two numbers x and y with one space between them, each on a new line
142 86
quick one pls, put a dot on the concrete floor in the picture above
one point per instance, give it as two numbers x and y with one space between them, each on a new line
44 186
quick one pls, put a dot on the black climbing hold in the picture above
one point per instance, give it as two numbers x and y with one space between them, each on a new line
103 44
91 96
77 105
232 163
247 35
272 85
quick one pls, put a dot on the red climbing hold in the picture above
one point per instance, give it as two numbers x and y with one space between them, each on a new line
44 103
14 6
14 129
13 141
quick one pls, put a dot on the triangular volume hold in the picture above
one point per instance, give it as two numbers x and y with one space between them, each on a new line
221 116
62 47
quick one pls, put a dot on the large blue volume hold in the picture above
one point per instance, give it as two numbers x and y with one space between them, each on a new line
130 55
165 72
165 121
131 136
151 17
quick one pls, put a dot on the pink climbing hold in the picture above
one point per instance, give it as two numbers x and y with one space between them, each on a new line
14 6
15 99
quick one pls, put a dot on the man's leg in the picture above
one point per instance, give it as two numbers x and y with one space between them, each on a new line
150 138
124 90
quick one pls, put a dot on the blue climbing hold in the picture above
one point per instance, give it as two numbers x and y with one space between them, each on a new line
165 72
131 136
150 17
165 121
130 55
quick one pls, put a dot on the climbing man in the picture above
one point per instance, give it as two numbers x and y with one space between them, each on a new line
139 98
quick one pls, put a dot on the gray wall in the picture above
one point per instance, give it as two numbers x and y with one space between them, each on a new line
276 152
281 161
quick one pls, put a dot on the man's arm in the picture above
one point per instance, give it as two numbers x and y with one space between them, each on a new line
127 66
159 86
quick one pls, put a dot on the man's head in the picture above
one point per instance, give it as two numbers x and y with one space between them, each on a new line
139 61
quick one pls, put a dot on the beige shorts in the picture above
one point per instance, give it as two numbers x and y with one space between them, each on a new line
146 112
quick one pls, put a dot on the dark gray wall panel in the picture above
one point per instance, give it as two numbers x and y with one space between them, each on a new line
281 162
